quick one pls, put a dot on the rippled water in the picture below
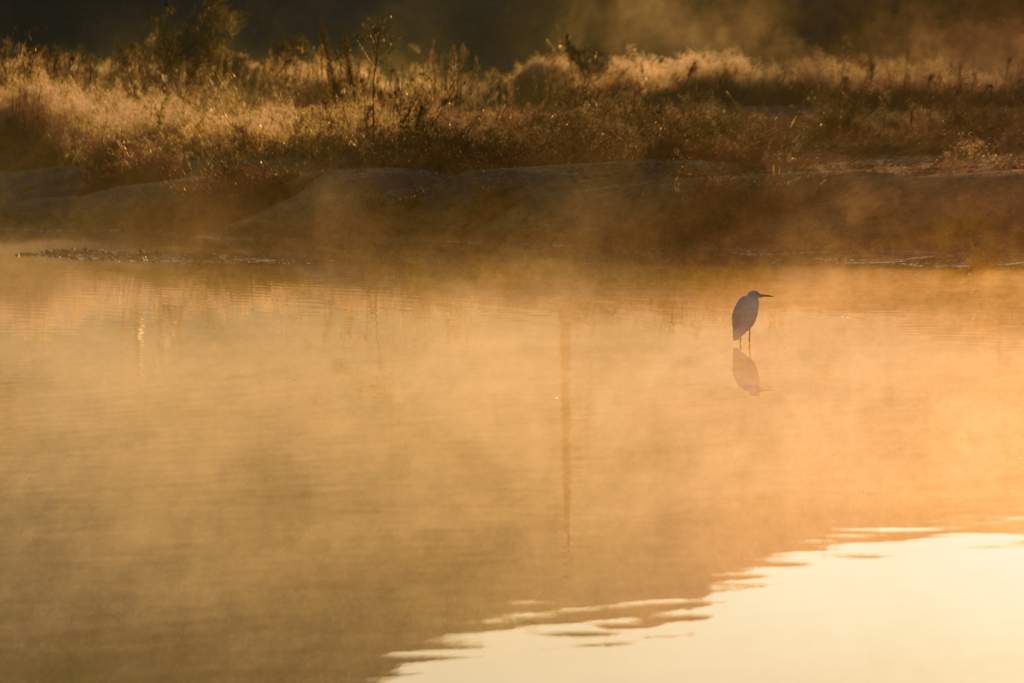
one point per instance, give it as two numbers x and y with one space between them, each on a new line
264 473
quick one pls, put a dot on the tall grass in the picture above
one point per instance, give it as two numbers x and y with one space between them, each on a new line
182 103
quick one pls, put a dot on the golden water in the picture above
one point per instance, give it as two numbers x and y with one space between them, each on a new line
260 473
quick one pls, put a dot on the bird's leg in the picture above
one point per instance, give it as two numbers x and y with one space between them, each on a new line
749 335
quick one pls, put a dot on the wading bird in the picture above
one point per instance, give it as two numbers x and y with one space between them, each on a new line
744 315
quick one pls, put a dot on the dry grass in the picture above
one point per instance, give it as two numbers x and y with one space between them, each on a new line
182 103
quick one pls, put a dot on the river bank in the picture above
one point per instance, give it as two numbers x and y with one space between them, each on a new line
636 210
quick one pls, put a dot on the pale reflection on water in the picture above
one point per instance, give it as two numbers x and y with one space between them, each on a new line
947 608
260 474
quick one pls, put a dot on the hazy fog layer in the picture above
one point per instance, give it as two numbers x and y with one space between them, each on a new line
219 472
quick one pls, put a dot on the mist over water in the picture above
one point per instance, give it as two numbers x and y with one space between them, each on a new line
452 395
266 473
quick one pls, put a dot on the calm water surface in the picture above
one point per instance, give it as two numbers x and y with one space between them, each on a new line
259 473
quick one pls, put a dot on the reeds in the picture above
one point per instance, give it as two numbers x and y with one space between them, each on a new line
183 103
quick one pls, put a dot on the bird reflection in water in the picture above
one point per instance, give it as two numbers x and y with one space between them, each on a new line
745 371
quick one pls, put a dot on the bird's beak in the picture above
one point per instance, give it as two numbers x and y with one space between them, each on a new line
763 295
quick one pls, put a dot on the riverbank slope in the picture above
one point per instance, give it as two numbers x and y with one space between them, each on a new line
648 209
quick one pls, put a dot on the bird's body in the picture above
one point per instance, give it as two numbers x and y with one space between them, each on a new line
745 313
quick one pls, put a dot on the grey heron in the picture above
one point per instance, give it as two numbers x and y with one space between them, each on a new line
744 315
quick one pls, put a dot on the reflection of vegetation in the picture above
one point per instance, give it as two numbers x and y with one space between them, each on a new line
182 101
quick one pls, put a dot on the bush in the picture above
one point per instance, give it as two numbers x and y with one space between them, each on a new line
182 55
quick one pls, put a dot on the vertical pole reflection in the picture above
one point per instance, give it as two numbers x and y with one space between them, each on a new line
140 342
565 339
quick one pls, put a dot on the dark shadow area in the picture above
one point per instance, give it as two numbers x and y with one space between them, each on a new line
501 32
